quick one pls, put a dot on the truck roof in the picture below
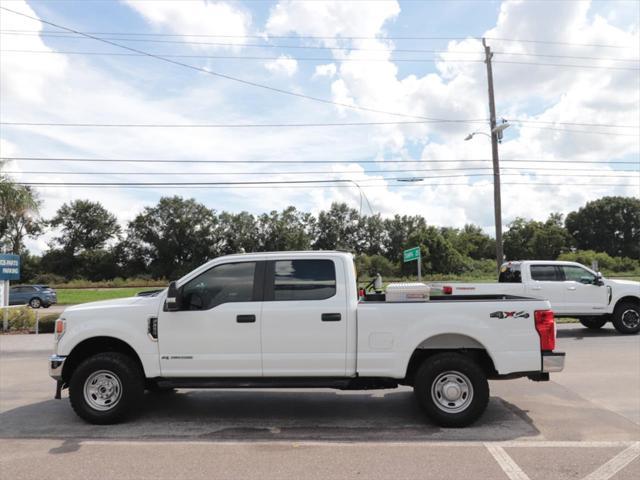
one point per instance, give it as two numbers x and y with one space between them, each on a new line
297 253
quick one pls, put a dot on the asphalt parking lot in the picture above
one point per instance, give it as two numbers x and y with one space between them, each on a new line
585 423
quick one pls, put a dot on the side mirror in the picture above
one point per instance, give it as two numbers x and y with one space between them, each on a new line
172 303
599 280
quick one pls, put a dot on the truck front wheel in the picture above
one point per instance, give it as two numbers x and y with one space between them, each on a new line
594 323
106 388
626 317
451 389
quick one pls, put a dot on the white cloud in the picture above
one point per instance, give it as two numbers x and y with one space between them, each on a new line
454 90
28 80
197 18
283 65
327 70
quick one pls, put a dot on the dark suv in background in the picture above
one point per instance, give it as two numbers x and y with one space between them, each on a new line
35 296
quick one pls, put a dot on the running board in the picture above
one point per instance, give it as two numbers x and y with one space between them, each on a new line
358 383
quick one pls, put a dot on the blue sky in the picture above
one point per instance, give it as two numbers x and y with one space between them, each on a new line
74 88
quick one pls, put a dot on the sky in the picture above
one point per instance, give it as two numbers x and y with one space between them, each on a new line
566 75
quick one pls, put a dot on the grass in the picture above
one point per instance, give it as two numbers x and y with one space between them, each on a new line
72 296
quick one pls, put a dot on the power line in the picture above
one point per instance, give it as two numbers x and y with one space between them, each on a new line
228 77
118 54
360 49
333 59
341 37
138 160
278 125
524 171
224 125
403 185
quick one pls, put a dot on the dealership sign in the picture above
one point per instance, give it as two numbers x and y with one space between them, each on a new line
9 266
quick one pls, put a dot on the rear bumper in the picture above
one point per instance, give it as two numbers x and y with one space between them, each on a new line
552 362
56 362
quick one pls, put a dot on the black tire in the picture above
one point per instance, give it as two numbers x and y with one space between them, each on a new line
35 302
460 368
593 323
116 365
626 318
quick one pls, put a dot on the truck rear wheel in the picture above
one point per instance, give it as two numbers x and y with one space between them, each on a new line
594 323
451 389
106 388
626 317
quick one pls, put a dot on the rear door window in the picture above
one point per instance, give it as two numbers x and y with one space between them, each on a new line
303 280
510 273
546 273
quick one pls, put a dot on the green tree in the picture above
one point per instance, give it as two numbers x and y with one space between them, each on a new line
171 238
609 224
240 232
373 235
286 230
398 229
19 217
438 254
84 226
471 241
532 240
339 228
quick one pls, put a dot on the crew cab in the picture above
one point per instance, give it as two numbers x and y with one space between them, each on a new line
297 320
572 289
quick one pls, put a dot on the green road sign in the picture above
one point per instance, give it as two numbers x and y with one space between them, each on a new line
411 254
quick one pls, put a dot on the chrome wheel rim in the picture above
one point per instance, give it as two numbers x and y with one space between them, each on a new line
102 390
452 392
630 318
35 303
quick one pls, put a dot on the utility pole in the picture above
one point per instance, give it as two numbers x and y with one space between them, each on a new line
497 201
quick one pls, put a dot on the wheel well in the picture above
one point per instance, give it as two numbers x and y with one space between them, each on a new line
628 298
92 346
478 355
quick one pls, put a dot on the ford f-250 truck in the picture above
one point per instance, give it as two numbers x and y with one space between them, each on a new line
572 289
297 319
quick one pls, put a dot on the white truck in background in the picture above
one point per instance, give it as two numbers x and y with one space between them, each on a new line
572 289
294 320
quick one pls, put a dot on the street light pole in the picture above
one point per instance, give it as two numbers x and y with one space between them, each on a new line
497 201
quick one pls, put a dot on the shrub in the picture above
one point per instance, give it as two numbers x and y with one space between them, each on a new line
605 261
20 319
46 323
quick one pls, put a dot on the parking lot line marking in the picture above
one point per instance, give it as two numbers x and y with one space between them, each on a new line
508 466
617 463
320 443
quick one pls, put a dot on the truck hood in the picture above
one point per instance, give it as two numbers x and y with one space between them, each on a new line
104 305
626 284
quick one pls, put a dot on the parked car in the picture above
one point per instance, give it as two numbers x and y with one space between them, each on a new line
35 296
297 320
572 289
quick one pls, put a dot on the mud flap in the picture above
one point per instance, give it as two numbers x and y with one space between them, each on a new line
58 394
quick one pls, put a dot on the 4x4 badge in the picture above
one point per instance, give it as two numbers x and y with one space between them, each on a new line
520 314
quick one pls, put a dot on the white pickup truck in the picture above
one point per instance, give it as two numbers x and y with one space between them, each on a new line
294 320
572 289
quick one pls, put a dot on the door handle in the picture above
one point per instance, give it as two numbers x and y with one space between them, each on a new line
571 288
331 317
536 288
246 318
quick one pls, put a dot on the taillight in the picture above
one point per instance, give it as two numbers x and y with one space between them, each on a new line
546 328
447 290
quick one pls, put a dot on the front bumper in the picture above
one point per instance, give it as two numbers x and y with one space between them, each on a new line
552 362
56 362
